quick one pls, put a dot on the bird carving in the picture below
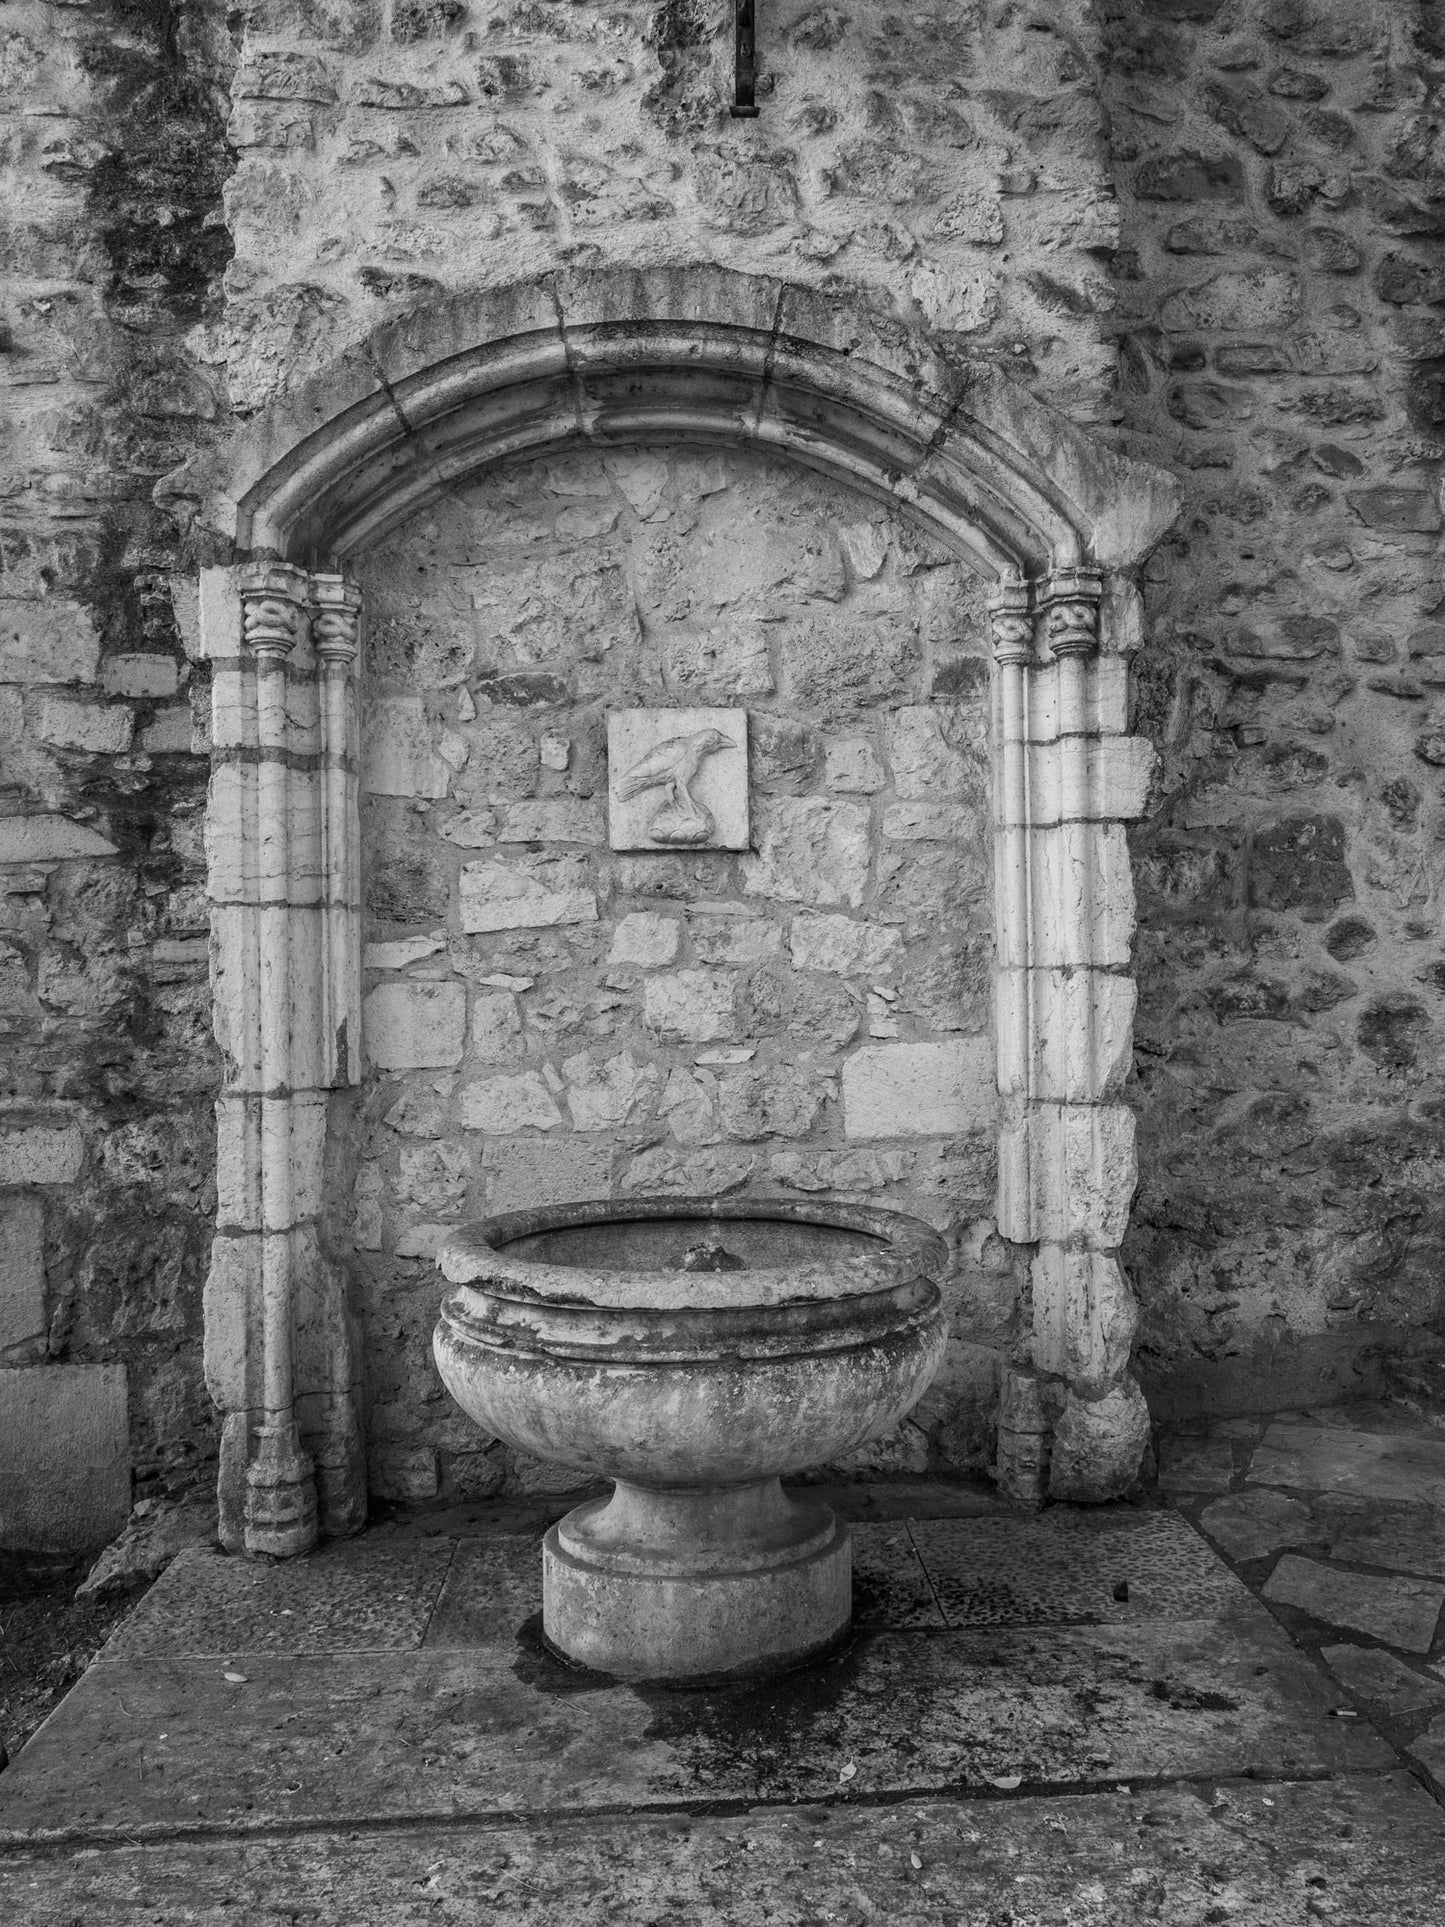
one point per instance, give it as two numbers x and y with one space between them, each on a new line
673 765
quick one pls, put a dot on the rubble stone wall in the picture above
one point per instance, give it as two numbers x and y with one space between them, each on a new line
1282 340
1210 229
549 1020
112 162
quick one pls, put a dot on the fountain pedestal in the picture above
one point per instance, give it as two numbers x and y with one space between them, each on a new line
589 1335
744 1579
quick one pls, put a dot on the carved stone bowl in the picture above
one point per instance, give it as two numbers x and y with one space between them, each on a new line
696 1352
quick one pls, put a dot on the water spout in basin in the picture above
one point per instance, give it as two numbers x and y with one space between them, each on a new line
711 1257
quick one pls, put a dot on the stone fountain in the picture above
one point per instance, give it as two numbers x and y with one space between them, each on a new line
696 1352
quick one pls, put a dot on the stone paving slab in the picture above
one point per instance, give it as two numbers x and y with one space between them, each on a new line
1401 1611
1398 1467
1067 1568
492 1588
1383 1681
357 1595
1352 1852
152 1745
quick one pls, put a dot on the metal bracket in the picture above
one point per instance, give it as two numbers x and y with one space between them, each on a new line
745 67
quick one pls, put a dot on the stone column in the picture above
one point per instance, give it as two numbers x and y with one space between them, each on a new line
1072 1422
284 870
280 1506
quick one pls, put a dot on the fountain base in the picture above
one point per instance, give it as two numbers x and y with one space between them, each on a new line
682 1585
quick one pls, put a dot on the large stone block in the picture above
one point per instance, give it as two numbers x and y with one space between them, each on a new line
1081 1033
22 1280
39 1147
104 729
1085 1316
842 944
399 756
414 1026
699 1005
525 894
47 641
1067 1174
502 1105
918 1090
1099 1445
521 1173
645 939
924 764
603 1095
809 851
1300 864
64 1457
49 839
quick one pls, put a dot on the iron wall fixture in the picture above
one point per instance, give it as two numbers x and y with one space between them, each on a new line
745 65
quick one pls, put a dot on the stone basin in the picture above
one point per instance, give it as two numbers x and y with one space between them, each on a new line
696 1352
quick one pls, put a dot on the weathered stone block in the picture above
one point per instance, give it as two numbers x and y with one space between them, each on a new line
399 755
603 1096
918 1090
47 641
1300 864
923 762
104 729
809 851
1099 1445
1068 1177
1085 1316
843 945
931 822
64 1457
768 1102
496 1028
22 1280
502 1105
36 1148
552 819
699 1005
49 839
646 939
411 1026
1388 506
140 676
526 893
525 1172
853 766
734 940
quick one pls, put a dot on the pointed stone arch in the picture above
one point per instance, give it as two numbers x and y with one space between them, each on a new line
1046 511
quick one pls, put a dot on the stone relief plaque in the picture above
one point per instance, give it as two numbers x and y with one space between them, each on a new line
677 779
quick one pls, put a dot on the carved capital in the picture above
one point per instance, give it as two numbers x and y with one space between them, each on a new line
273 606
1011 620
1071 612
335 618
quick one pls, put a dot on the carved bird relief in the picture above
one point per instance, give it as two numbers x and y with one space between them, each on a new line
673 765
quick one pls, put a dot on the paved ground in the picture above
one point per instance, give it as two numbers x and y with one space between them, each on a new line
1086 1717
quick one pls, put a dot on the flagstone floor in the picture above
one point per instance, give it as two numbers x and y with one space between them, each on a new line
1226 1707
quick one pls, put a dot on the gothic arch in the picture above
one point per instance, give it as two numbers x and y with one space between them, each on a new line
700 354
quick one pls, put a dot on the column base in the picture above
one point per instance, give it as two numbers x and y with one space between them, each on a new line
280 1496
687 1586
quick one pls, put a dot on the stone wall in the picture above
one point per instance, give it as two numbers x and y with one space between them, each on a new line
547 1020
389 152
1281 336
1209 228
111 166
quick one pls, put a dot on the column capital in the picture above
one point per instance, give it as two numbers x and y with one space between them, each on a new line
1070 602
335 618
273 606
1011 620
